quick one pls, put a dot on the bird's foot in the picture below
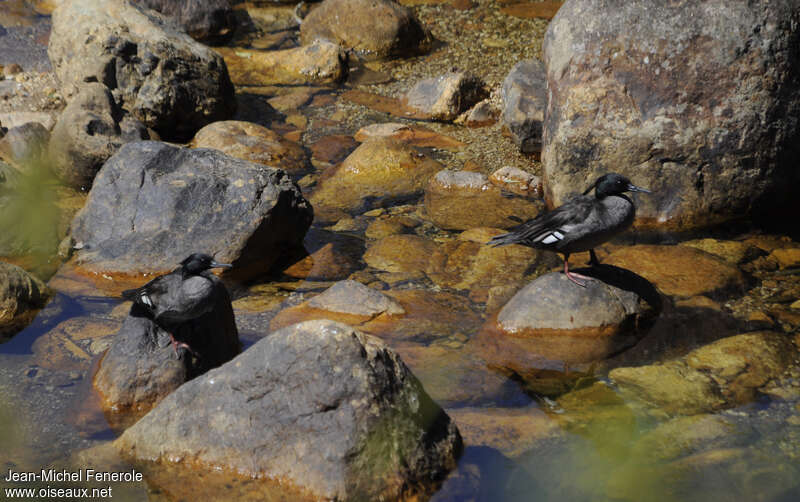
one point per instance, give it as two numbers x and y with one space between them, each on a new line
180 345
574 278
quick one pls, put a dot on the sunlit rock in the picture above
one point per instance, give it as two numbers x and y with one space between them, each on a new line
445 97
524 95
400 253
21 297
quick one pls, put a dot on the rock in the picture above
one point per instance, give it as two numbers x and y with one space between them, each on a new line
141 368
384 227
353 298
25 145
481 115
524 94
253 142
21 297
458 200
153 204
330 150
445 97
209 21
468 263
373 29
554 319
733 252
330 256
14 119
597 412
684 436
786 257
675 106
158 74
414 135
319 62
679 270
515 180
400 254
377 173
71 345
89 132
316 405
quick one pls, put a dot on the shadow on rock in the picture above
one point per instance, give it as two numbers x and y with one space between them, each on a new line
627 280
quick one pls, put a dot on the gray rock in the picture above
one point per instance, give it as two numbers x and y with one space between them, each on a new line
26 144
700 107
161 76
141 367
316 405
14 119
153 204
209 21
372 28
524 95
21 297
87 134
445 97
352 297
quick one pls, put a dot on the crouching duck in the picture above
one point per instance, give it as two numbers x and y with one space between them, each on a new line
582 223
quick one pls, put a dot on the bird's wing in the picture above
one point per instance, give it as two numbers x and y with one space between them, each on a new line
145 294
550 227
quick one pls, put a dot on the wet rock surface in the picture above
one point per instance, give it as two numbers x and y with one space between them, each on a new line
158 74
253 142
153 204
407 254
524 95
347 390
21 296
674 103
141 366
371 28
445 97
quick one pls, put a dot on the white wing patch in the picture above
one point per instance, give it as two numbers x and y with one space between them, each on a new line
552 237
146 299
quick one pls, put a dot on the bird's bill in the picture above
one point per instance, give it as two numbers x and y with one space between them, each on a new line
215 264
634 188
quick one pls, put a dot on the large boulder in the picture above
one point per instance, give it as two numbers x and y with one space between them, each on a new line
153 204
141 367
165 79
700 106
316 405
524 95
21 297
209 21
372 28
89 131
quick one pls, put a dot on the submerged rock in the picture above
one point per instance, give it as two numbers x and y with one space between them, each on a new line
673 105
316 405
445 97
158 74
524 95
88 132
141 367
372 28
458 200
408 254
21 297
153 204
253 142
209 21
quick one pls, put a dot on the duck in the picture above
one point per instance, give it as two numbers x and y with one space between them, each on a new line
580 224
179 296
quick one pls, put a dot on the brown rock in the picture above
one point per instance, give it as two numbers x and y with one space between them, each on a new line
733 252
331 256
679 270
514 179
330 150
253 142
384 227
377 172
458 200
414 135
787 257
70 345
400 253
512 431
533 10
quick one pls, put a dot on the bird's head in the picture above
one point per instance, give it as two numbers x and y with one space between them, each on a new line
199 262
613 184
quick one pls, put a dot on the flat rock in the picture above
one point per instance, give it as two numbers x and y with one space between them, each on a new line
319 62
787 256
21 297
445 97
414 135
71 345
157 73
733 252
667 104
679 270
524 95
354 298
141 367
316 405
376 173
458 200
253 142
373 29
400 253
153 204
209 21
88 132
515 180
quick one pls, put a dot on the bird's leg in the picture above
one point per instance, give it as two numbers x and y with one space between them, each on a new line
593 258
573 277
177 345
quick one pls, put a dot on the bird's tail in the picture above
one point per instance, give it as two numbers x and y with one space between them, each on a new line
504 239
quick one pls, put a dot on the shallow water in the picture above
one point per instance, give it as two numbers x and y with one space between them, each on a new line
521 443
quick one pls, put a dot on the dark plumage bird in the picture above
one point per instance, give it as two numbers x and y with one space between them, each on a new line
581 224
179 296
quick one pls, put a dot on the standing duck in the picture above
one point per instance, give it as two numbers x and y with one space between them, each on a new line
582 223
179 296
